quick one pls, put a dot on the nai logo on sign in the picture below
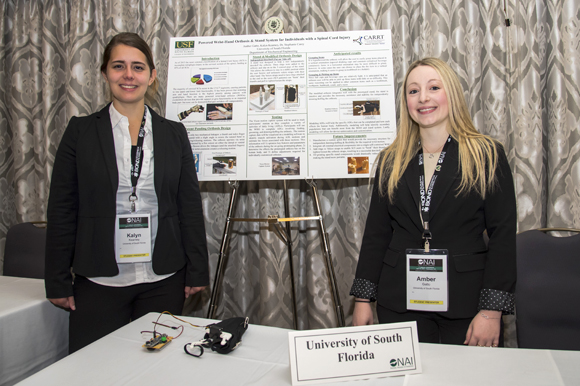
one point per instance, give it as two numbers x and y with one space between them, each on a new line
405 362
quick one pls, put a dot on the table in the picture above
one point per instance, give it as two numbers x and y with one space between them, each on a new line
33 332
262 359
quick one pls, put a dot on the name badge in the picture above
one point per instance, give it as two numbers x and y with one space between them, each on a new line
133 237
427 288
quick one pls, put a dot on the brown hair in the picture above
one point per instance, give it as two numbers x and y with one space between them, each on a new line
477 152
132 40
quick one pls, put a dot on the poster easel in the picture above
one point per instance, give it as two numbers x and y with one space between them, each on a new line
286 236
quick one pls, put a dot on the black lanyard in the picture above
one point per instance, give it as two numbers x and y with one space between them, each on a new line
426 195
137 161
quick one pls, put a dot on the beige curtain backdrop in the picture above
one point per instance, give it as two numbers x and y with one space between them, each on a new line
521 85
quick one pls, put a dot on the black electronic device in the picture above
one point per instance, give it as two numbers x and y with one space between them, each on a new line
222 337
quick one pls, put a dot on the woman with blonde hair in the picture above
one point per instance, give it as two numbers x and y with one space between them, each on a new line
439 188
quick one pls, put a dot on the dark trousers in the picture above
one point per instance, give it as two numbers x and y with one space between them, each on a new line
101 309
431 326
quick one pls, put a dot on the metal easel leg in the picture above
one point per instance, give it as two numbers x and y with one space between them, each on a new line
223 251
290 258
328 257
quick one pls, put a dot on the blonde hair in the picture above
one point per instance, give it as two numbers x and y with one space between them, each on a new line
477 152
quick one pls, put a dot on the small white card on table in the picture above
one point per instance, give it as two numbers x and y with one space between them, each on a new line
349 353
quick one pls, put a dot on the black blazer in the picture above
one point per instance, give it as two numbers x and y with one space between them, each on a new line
82 205
457 224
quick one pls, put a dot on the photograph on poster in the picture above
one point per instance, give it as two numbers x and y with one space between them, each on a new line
262 97
217 111
366 107
188 113
291 93
224 165
196 160
286 166
358 165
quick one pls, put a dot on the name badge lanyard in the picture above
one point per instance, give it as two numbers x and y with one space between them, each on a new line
426 195
137 162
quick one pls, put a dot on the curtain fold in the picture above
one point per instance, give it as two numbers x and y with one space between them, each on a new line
520 82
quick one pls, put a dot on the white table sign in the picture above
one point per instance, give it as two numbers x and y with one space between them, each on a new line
350 353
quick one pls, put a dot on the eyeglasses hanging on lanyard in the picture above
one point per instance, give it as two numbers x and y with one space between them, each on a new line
426 194
137 161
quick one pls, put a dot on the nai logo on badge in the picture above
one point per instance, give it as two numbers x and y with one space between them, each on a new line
432 265
133 222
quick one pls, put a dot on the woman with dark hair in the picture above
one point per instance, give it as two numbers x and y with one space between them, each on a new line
125 232
441 185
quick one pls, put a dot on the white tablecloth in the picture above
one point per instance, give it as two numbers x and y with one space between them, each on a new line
33 332
262 359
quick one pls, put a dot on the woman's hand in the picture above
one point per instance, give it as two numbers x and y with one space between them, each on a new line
363 314
193 290
219 114
66 303
484 329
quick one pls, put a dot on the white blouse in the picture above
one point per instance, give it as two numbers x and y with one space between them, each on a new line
134 273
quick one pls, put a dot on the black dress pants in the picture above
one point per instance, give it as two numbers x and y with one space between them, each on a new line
431 326
101 309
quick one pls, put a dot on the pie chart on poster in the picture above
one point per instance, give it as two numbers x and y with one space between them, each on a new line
201 79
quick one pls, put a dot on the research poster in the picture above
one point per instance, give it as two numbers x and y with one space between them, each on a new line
284 106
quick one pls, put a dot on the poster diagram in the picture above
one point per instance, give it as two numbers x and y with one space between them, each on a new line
287 106
201 79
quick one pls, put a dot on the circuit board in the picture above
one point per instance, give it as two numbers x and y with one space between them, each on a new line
158 342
